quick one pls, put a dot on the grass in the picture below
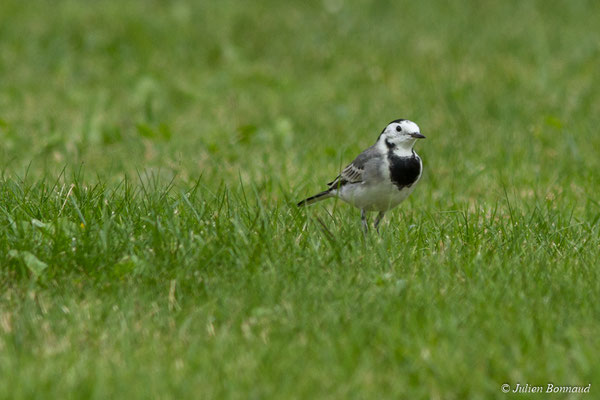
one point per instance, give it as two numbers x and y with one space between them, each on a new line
152 153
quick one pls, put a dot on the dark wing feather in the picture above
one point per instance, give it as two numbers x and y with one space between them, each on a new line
353 173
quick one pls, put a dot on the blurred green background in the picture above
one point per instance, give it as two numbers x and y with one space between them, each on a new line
271 89
151 153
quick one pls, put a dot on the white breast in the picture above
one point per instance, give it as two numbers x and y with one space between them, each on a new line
382 195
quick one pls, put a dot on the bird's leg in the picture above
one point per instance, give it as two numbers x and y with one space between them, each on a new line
378 220
365 224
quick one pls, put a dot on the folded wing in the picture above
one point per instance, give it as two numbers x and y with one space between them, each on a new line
353 173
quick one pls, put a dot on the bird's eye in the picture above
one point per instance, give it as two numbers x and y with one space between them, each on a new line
398 129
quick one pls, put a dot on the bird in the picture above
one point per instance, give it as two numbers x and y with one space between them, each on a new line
382 176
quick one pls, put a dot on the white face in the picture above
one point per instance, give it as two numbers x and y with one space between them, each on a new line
401 133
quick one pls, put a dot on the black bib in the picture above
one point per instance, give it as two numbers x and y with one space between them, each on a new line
404 171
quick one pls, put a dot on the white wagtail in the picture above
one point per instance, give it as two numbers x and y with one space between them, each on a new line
382 176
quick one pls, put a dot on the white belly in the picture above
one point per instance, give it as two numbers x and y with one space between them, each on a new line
380 197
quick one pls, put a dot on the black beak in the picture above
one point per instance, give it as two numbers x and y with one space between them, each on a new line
417 135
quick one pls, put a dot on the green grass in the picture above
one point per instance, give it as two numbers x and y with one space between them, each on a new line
151 154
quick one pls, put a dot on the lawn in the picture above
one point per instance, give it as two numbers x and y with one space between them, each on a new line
152 152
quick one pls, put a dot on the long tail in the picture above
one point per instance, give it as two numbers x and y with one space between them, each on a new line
317 197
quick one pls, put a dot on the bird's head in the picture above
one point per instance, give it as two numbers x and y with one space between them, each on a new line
400 134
